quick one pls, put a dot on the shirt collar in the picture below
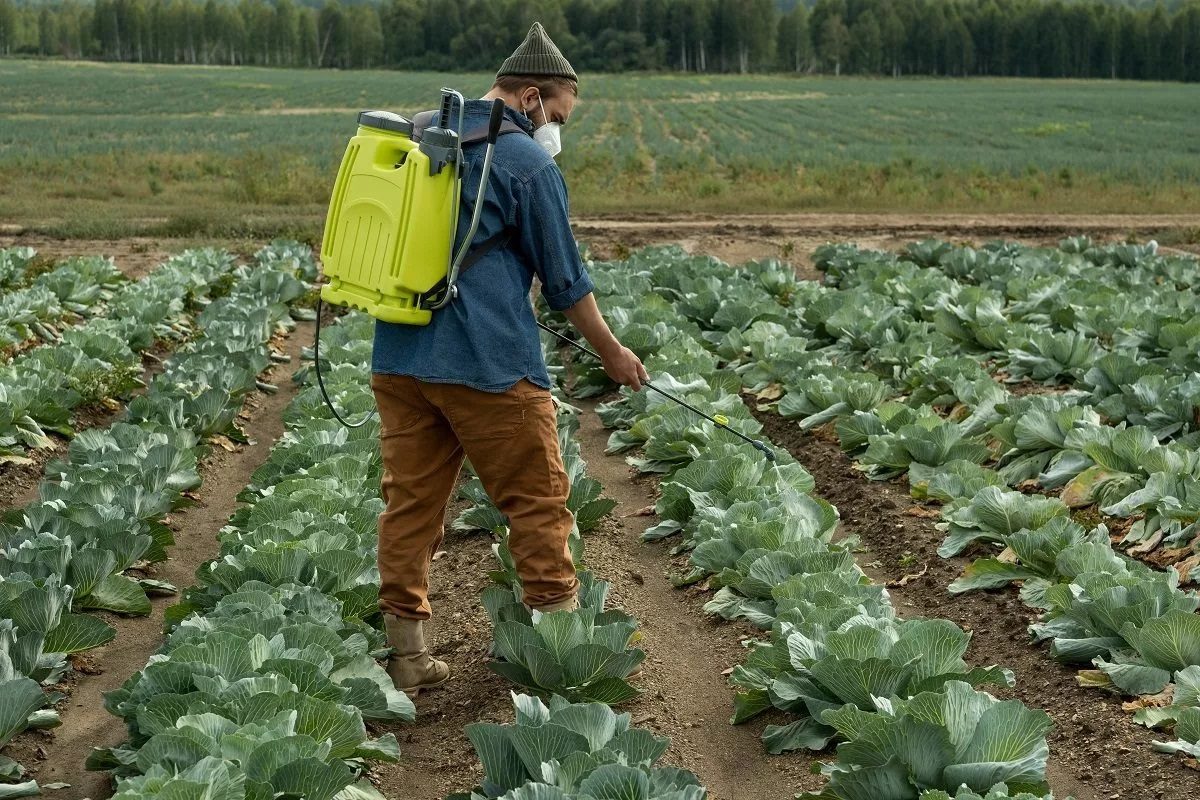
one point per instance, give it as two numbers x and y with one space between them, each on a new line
483 108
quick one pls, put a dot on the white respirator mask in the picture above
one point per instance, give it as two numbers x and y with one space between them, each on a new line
549 135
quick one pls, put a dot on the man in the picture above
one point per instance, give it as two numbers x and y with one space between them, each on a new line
473 382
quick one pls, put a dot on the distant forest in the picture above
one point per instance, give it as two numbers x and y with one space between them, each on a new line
1028 38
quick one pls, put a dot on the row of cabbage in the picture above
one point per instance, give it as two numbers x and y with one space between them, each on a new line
271 666
570 744
1113 332
882 357
100 511
74 290
270 670
90 363
895 694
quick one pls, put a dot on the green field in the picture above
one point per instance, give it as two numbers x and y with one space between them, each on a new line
113 149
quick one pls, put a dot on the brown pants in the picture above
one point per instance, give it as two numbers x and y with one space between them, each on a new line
512 442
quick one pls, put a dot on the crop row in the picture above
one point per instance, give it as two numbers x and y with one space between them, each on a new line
76 289
16 267
1112 332
87 364
271 666
100 511
896 694
270 669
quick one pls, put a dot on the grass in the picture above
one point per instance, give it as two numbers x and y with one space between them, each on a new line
110 150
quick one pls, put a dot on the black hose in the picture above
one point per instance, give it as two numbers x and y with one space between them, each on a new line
755 443
320 380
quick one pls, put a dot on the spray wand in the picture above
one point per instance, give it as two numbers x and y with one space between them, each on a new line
720 420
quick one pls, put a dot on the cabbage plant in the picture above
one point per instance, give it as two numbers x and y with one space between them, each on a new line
808 670
582 655
557 750
993 514
940 740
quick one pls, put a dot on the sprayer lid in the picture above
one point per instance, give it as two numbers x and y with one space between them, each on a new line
439 137
386 121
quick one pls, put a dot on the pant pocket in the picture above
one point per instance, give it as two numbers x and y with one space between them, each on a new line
483 416
400 404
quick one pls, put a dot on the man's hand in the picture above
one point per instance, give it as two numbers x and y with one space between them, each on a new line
624 367
621 363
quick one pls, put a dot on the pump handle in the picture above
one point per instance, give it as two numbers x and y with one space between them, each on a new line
496 119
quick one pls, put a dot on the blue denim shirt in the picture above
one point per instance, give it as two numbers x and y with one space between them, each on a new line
487 338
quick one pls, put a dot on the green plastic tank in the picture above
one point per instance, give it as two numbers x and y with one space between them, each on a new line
390 227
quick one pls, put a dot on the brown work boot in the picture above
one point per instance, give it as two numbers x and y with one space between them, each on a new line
570 604
410 667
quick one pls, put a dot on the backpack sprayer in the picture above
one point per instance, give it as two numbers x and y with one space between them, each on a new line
388 246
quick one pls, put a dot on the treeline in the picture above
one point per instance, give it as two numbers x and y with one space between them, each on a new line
1029 38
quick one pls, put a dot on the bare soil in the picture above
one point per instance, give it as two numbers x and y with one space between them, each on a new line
436 758
135 256
731 237
739 238
59 755
688 697
1096 749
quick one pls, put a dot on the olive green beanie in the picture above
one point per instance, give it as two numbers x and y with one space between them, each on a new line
537 55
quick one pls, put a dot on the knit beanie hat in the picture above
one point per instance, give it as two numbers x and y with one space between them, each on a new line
537 55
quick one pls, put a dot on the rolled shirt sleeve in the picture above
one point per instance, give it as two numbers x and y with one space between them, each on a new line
546 239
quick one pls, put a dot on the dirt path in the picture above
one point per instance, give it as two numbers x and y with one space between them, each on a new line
1096 750
436 757
135 256
59 755
738 238
730 237
687 696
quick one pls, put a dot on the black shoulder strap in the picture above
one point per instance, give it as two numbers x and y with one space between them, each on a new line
497 241
428 119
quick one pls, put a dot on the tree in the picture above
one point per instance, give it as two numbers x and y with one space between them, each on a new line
960 49
834 46
333 35
402 23
364 38
892 35
46 37
866 40
8 26
794 46
1158 36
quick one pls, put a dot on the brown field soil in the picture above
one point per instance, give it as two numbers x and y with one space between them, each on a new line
58 755
738 238
134 256
730 237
